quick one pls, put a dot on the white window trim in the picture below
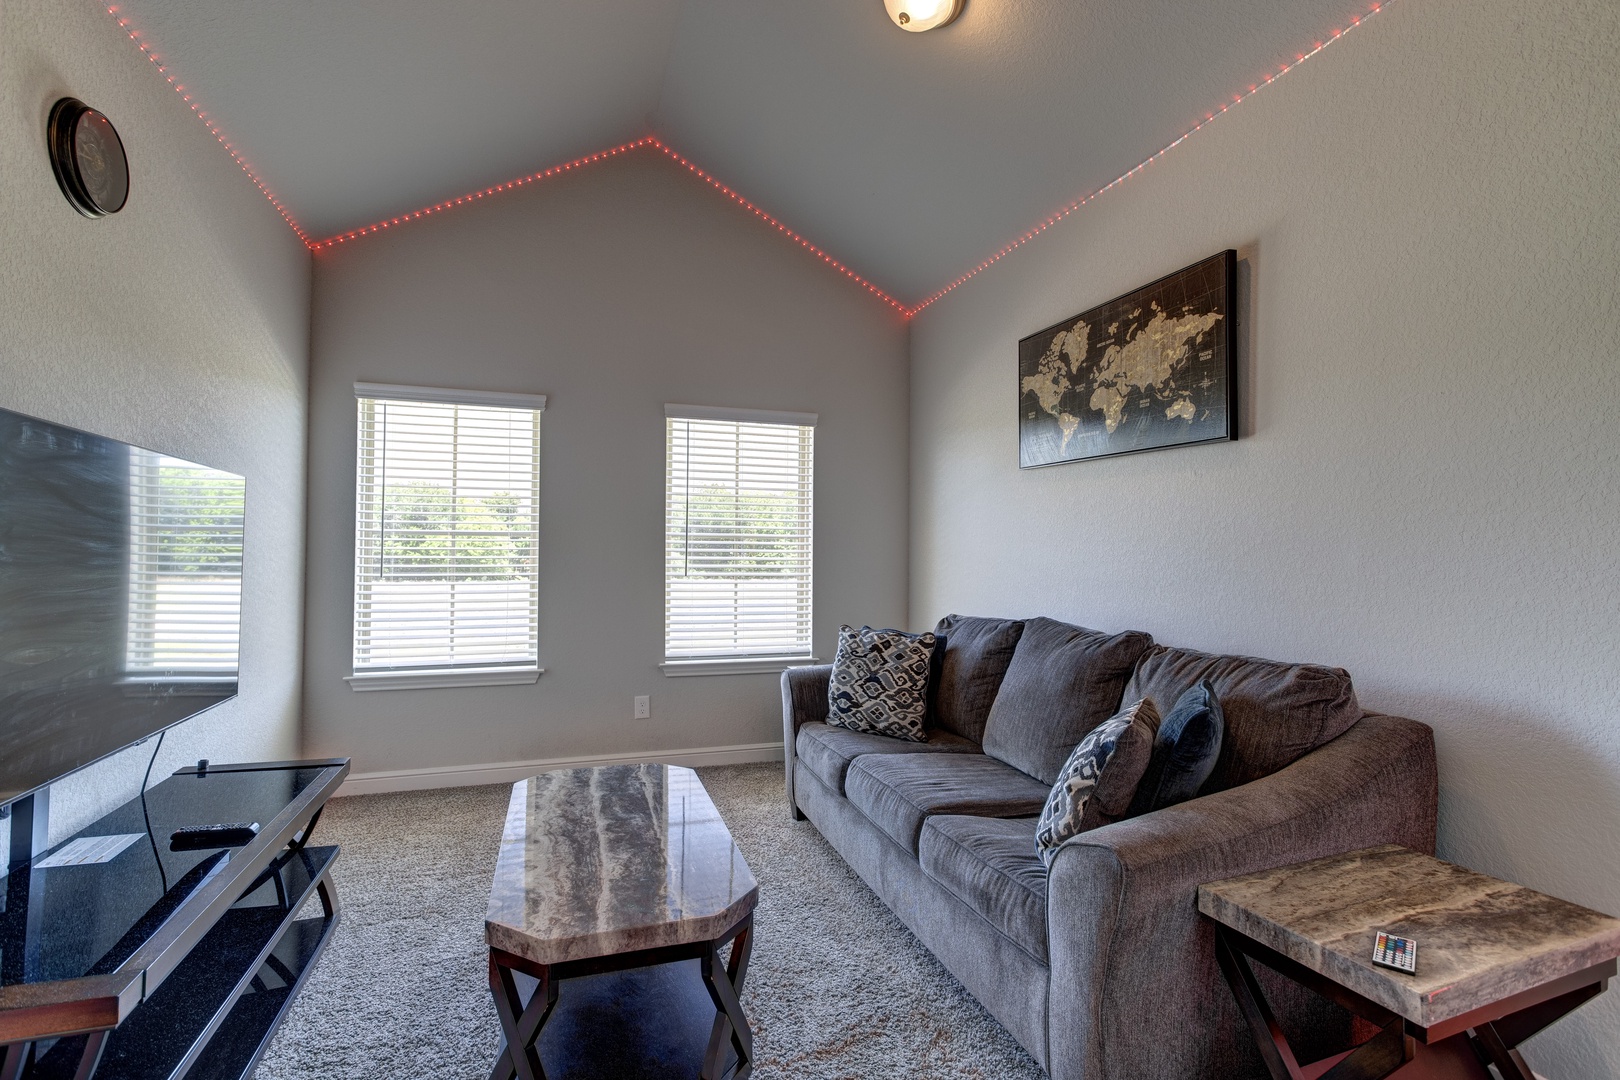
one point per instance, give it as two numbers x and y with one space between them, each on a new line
440 396
431 678
437 678
741 416
735 666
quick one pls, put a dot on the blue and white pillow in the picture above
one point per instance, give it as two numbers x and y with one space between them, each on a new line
880 682
1074 805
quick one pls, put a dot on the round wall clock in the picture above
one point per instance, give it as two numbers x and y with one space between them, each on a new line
88 158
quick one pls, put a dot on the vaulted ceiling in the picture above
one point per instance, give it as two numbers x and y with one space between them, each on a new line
909 156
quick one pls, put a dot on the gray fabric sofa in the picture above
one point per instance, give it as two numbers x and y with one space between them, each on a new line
1102 967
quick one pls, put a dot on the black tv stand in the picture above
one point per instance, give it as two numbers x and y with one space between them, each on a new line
160 964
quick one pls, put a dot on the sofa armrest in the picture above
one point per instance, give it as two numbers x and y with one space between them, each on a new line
804 700
1143 994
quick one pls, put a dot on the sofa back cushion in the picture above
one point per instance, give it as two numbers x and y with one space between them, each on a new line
1063 681
1274 713
970 661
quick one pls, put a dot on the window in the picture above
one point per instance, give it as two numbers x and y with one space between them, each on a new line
737 540
446 580
185 568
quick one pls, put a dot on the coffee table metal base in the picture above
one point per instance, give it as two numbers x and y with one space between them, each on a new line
1458 1049
531 1002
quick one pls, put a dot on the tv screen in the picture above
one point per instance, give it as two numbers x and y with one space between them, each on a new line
120 596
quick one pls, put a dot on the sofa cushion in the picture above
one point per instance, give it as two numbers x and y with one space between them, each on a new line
969 664
1184 753
898 791
1275 713
827 751
879 682
1063 681
1099 779
990 865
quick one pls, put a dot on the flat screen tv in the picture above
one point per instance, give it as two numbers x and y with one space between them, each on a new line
120 596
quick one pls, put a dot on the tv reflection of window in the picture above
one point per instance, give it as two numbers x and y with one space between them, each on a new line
185 568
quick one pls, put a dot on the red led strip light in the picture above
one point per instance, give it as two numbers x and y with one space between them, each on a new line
1237 99
213 128
708 178
784 230
645 141
437 208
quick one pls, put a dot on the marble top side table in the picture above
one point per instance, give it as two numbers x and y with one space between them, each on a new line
1496 962
619 879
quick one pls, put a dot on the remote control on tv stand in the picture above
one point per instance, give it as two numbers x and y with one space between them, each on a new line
197 837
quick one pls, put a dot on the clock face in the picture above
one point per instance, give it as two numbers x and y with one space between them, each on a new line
88 159
99 157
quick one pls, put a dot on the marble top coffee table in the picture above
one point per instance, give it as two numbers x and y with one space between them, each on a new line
1496 962
624 881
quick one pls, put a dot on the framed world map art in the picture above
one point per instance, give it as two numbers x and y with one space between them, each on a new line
1153 368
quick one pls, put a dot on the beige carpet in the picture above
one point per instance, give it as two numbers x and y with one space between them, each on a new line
838 988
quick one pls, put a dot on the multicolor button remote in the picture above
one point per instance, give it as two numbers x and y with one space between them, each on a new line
1399 953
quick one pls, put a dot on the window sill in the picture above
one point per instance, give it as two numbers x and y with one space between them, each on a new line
439 678
745 665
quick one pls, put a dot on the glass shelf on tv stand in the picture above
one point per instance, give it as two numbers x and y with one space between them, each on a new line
163 964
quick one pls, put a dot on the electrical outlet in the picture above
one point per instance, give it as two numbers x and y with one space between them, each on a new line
643 707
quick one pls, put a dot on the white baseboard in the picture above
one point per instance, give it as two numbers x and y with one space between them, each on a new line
509 772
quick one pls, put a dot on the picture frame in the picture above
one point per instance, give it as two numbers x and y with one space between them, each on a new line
1151 369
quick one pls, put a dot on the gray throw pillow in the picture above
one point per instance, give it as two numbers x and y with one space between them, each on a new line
1097 782
879 682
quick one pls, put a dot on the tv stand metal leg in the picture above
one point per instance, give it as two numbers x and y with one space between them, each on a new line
326 892
302 839
91 1057
16 1056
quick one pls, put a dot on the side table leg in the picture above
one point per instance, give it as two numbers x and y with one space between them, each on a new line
731 1030
1268 1036
1507 1059
1497 1042
520 1025
1379 1056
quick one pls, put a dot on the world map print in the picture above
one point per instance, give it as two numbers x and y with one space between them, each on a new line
1148 370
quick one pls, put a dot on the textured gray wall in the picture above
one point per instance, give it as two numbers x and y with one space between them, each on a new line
613 290
180 324
1428 490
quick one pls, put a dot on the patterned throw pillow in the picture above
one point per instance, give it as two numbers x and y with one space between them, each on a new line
880 682
1074 806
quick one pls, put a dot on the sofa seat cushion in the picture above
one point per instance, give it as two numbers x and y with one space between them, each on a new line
1063 681
990 865
827 750
897 792
1274 713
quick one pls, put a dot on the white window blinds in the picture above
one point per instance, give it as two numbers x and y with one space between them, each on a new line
185 567
737 534
446 530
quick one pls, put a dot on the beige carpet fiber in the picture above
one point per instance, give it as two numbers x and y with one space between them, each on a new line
838 988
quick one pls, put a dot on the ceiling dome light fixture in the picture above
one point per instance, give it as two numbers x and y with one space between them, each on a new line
920 15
